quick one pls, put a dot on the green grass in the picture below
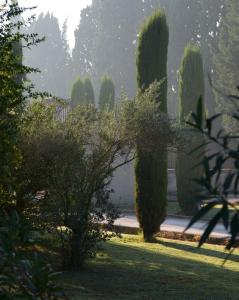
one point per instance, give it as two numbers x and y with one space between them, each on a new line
131 269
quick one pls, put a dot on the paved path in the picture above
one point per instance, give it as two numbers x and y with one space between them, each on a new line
174 224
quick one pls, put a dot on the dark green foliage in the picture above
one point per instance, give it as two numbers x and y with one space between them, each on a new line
89 92
151 168
78 93
13 94
219 189
24 274
191 88
107 93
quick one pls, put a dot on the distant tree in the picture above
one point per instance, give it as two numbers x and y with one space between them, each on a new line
85 46
51 57
78 93
225 61
107 93
191 88
151 168
114 24
89 92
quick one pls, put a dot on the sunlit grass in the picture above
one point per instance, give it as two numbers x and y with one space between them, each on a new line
131 269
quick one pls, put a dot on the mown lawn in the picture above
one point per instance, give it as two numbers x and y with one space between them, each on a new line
127 268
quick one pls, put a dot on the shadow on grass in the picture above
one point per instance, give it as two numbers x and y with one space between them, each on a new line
202 251
127 272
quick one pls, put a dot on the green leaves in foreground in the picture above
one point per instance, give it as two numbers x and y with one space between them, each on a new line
216 187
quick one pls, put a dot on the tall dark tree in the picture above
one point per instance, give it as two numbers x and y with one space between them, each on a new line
107 93
191 88
151 169
51 57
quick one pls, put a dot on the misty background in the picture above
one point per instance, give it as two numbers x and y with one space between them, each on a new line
106 41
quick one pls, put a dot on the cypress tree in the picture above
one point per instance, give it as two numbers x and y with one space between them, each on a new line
191 88
151 168
89 92
107 93
77 93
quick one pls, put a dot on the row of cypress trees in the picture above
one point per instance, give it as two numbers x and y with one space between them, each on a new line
82 92
151 168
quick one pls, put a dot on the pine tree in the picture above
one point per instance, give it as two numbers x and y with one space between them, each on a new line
89 92
107 93
191 88
77 93
225 59
151 168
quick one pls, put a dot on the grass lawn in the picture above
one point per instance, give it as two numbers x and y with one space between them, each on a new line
127 268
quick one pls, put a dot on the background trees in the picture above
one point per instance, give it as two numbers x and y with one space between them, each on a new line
77 92
107 93
51 57
89 92
225 61
188 169
151 168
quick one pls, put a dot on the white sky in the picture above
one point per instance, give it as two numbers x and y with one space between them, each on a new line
69 9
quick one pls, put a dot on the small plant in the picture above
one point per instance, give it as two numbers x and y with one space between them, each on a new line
24 274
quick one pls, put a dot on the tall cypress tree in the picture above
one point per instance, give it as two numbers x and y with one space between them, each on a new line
77 93
89 92
151 168
188 168
107 93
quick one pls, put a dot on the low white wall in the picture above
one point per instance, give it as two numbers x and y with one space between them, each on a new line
123 186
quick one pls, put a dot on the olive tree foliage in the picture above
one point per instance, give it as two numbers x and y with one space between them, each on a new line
214 162
74 161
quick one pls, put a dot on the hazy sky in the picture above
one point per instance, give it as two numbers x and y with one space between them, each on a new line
69 9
